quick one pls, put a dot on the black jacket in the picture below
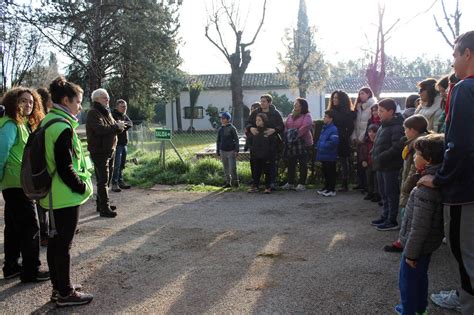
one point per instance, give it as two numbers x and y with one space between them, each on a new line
387 150
122 138
262 147
344 121
227 139
275 120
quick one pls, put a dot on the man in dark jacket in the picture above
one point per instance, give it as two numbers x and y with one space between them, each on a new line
120 114
456 175
102 130
274 125
387 161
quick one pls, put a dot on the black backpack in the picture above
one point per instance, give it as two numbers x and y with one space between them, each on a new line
35 179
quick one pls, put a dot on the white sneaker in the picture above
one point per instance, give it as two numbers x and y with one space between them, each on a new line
300 188
329 194
447 299
287 186
321 191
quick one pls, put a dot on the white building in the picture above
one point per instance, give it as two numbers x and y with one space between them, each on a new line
217 93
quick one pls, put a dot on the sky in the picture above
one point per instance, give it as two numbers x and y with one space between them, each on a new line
346 29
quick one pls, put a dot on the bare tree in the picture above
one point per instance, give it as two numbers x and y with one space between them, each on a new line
375 72
453 23
240 58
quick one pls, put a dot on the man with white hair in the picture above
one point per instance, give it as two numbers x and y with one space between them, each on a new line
102 130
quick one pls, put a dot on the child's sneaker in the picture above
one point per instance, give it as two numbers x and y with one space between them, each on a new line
267 191
74 298
399 309
287 186
447 299
377 222
329 193
55 294
321 191
300 188
395 247
253 189
388 227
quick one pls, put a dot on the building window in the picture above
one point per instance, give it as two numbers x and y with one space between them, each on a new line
198 112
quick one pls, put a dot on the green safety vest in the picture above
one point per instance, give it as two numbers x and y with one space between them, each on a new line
12 170
62 195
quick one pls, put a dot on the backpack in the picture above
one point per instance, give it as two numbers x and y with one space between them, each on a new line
35 179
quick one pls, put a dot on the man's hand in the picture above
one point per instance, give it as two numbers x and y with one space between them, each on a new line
426 180
269 131
254 131
364 164
120 124
411 263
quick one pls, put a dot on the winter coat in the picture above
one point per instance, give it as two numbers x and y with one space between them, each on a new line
387 151
122 138
409 176
326 148
227 139
422 228
456 176
344 121
275 120
431 113
262 147
101 130
363 113
303 123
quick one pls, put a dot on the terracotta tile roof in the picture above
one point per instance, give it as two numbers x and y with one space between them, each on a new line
275 80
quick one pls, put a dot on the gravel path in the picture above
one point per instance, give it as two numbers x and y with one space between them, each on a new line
172 252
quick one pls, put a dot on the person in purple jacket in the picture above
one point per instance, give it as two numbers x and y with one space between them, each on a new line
299 122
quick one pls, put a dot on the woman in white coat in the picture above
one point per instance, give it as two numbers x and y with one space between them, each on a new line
365 101
430 103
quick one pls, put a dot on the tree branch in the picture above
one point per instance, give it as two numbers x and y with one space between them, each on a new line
439 29
448 21
259 27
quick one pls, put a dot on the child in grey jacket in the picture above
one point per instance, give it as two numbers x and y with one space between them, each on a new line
421 232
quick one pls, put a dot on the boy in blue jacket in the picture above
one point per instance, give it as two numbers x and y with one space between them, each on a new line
326 152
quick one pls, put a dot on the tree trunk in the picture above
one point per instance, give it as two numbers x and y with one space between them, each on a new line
178 113
237 98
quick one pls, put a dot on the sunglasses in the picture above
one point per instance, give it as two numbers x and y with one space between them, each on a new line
421 90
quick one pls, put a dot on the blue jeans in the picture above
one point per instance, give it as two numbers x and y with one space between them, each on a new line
389 190
119 163
413 284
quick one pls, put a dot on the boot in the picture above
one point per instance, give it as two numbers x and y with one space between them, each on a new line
124 185
106 212
116 188
344 185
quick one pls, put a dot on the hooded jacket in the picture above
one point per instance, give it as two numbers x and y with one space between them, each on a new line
422 228
387 150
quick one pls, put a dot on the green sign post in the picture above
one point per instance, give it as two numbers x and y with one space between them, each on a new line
164 135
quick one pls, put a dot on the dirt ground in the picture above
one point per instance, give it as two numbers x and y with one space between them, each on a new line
171 252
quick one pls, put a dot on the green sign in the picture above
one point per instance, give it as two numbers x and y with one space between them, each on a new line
162 134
